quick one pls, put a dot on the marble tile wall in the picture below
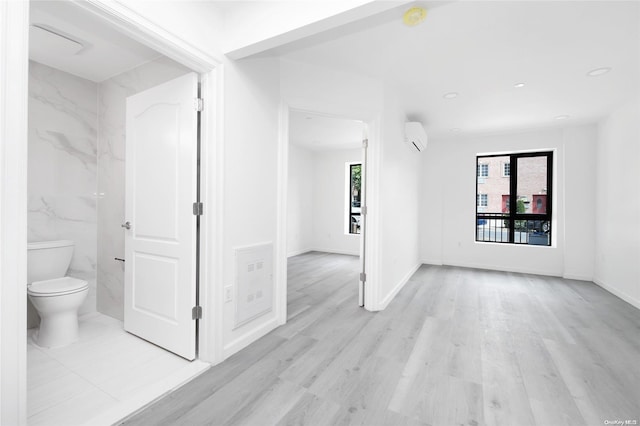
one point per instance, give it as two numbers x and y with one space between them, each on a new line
62 169
112 94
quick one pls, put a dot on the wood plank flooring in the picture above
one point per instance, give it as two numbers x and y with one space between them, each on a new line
455 347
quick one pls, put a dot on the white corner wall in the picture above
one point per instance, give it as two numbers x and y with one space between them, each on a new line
447 225
399 194
300 211
330 202
617 197
251 120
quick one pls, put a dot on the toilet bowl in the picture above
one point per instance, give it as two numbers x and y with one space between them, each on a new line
57 302
56 298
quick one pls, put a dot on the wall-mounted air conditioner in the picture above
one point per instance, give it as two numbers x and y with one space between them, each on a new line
415 135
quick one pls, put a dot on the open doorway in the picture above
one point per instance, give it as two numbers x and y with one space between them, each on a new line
326 207
82 71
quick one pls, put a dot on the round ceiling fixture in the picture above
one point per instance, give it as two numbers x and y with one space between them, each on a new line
598 71
518 85
414 16
450 95
561 117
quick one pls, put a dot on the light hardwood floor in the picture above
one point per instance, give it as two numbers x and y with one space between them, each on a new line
455 347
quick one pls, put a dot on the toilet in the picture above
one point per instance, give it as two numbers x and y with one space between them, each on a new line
55 296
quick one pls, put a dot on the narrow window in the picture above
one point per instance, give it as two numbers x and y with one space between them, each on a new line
354 198
516 210
506 169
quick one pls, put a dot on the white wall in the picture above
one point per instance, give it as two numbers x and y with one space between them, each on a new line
617 255
330 202
251 117
317 201
579 214
14 24
399 203
300 193
62 170
325 90
448 206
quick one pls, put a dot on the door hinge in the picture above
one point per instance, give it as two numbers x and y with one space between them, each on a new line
196 312
198 209
198 104
364 211
365 143
363 276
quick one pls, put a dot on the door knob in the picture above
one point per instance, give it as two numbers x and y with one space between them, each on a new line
126 225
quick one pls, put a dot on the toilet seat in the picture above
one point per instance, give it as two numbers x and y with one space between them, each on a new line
56 287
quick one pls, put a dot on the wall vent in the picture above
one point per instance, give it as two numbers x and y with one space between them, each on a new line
254 282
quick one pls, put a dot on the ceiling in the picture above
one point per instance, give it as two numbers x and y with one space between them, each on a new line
480 50
89 47
321 133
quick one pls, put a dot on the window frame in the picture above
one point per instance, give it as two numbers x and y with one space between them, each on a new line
513 215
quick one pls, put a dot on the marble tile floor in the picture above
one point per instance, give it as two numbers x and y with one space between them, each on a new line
102 378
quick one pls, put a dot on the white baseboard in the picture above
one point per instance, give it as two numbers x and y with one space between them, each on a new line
435 262
503 268
385 302
248 338
630 300
325 250
322 250
578 277
298 252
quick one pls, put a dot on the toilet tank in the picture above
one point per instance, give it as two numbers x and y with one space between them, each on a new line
48 259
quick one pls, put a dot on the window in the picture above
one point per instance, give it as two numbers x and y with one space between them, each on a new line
516 210
506 169
483 170
354 198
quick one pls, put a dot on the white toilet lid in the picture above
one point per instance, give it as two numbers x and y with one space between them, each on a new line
57 286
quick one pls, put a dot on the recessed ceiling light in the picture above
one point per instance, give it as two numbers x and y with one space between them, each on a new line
561 117
455 129
309 117
450 95
598 71
414 16
518 85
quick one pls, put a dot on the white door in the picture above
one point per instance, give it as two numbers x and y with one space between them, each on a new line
160 242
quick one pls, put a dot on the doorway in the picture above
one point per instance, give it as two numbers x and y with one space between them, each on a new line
326 191
76 184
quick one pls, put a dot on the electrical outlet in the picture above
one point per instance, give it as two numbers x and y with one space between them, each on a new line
228 294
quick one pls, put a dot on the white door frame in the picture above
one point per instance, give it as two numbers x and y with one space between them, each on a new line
14 52
373 154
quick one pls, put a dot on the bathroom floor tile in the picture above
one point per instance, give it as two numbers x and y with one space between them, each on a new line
55 392
73 411
105 376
